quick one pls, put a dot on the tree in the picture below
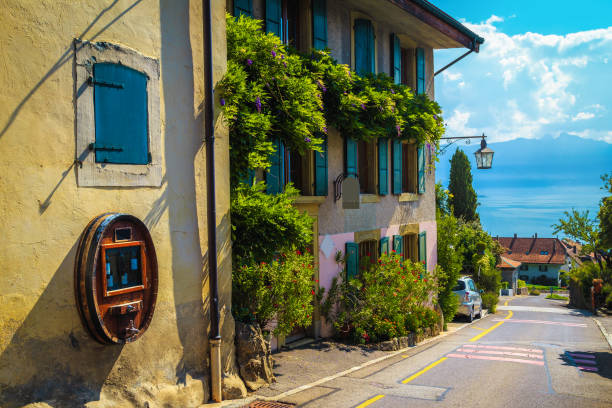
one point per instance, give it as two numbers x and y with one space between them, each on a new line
605 214
442 200
462 198
450 261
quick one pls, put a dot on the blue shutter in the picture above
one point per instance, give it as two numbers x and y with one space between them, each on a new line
351 156
396 59
121 114
383 166
274 17
384 245
321 170
423 248
351 257
275 178
243 7
421 166
420 67
397 244
248 177
319 24
364 47
397 166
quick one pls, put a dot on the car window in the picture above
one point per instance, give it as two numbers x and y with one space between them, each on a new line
472 286
460 285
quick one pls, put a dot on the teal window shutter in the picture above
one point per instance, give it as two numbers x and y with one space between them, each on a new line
350 148
274 19
397 244
396 59
248 177
423 248
384 245
421 165
321 170
243 7
364 47
275 178
397 166
121 114
420 67
383 166
319 24
352 259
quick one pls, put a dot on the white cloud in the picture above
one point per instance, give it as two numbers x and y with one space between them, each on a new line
583 116
452 76
457 124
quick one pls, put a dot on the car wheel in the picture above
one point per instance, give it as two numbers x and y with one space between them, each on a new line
480 312
471 315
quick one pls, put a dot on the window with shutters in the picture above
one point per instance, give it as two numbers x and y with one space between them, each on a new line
282 19
410 247
408 168
367 166
117 116
364 46
243 7
368 252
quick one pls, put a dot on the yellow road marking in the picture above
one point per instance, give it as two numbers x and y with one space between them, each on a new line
423 371
370 401
477 328
405 356
506 303
490 329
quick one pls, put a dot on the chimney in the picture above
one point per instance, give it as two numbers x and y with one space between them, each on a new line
515 235
536 235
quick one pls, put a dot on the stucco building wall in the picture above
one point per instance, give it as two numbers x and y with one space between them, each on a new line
45 352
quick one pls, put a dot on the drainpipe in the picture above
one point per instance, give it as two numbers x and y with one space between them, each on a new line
211 213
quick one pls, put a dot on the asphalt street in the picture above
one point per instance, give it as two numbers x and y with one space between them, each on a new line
532 353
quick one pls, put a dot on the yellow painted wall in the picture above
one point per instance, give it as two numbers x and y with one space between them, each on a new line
45 352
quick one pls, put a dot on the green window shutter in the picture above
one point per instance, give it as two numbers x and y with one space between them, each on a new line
248 177
350 150
321 170
243 7
383 166
397 166
364 47
121 114
397 244
319 24
423 248
421 166
274 19
420 67
275 178
352 259
396 59
384 245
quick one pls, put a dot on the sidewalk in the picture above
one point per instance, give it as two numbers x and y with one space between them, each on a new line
604 322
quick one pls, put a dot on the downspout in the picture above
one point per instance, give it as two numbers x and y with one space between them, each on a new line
453 62
211 213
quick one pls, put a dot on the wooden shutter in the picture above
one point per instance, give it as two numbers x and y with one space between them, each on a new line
121 114
396 59
383 166
384 245
420 68
397 244
423 248
350 149
319 24
275 178
274 17
364 47
421 166
243 7
320 159
397 166
351 259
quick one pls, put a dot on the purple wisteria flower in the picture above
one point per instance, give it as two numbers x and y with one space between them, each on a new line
273 53
282 56
392 90
324 129
258 104
435 117
399 130
363 106
222 102
285 64
307 140
249 62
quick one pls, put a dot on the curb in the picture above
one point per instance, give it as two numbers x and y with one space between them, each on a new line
605 333
245 401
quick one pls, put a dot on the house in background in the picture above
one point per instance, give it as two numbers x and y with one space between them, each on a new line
510 272
542 259
397 208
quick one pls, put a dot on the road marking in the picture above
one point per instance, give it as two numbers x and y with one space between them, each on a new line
503 348
557 310
545 322
579 360
588 368
502 353
506 303
477 328
370 401
405 356
423 371
491 358
581 355
490 329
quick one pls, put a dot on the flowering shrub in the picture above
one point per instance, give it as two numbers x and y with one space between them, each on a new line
280 291
387 299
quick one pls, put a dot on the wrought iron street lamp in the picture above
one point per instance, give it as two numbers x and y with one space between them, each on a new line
484 155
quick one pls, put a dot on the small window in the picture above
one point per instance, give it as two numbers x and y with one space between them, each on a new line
282 20
411 247
524 267
364 47
410 169
543 252
543 268
123 267
368 251
366 161
460 285
471 285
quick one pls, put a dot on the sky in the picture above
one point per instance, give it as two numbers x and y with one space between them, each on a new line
543 71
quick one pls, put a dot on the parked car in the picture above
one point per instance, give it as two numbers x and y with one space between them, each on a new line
469 298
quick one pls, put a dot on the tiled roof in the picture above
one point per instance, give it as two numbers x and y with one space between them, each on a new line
574 250
533 250
506 263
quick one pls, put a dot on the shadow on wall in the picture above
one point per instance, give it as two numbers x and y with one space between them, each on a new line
32 368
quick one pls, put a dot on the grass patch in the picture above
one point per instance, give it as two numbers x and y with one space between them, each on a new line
534 292
554 296
542 288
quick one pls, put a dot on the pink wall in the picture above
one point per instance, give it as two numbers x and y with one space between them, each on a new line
432 242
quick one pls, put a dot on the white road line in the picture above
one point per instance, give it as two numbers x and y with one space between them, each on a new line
492 358
483 346
501 353
558 310
543 322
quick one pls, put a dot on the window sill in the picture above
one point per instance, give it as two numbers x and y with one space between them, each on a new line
310 199
369 198
406 197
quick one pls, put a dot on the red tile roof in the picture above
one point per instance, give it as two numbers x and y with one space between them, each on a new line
506 263
533 250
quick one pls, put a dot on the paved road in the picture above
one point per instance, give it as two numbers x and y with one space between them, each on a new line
533 353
